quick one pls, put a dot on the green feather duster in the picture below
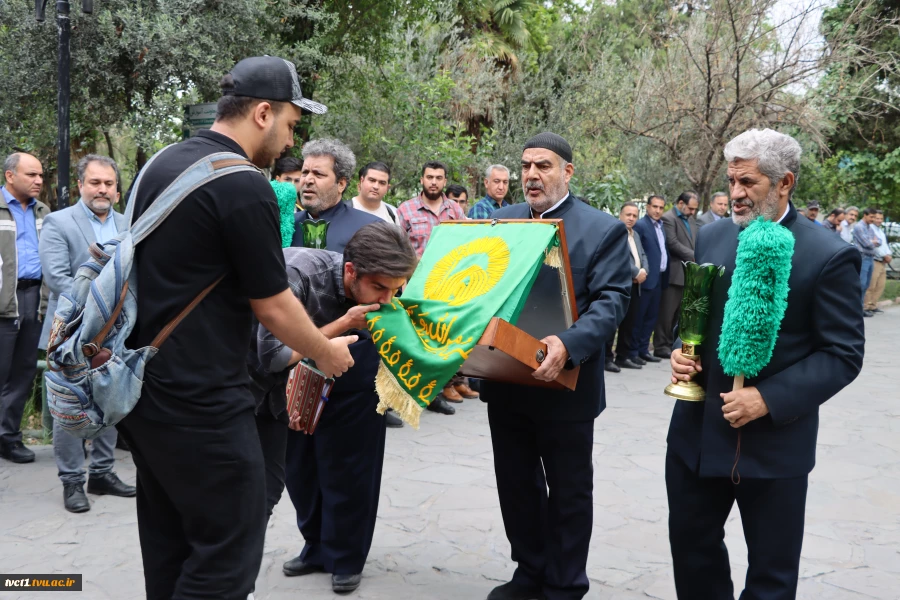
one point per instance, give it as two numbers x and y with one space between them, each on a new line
757 298
286 194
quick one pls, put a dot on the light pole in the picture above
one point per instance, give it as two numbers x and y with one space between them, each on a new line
63 28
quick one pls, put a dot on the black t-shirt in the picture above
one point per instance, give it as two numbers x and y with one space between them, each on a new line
227 227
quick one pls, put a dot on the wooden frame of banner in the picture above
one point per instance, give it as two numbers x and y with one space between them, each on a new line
509 354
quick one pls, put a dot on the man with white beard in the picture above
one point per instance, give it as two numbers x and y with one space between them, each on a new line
818 351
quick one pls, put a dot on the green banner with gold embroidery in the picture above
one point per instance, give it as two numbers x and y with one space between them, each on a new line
468 274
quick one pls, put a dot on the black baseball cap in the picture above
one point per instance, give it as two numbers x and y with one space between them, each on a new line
812 204
270 78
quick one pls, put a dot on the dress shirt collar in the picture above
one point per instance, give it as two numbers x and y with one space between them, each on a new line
10 198
551 209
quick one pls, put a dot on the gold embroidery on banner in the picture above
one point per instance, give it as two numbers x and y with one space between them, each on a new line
455 288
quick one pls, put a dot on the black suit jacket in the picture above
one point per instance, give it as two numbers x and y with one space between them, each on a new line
644 229
601 275
819 350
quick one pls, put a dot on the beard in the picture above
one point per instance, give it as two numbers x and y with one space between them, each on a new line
322 201
434 197
269 150
543 203
768 209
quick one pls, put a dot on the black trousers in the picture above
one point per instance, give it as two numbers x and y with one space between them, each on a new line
273 435
334 481
549 532
669 307
626 343
200 506
18 361
772 514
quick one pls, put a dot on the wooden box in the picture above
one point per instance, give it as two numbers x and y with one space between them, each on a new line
511 353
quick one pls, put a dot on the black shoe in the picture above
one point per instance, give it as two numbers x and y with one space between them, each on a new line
516 591
74 499
296 567
611 367
345 583
868 313
662 353
441 406
647 357
877 311
391 419
638 360
110 484
627 364
16 452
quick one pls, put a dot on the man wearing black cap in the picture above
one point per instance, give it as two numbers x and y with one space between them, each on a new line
201 500
543 438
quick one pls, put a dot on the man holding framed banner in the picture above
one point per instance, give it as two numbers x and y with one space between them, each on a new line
543 438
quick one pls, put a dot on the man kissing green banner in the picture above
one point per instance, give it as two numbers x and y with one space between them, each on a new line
468 274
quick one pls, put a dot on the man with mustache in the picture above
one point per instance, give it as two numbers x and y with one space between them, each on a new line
23 298
543 438
64 246
418 217
765 432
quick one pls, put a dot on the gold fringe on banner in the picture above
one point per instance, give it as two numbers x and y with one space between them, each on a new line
553 258
391 395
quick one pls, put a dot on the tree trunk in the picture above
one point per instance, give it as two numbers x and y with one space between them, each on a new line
109 146
141 160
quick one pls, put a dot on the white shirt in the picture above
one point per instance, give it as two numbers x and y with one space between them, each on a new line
380 212
847 231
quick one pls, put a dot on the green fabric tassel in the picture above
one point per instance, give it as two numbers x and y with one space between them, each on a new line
757 298
286 194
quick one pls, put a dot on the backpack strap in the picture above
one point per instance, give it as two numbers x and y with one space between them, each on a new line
163 335
200 173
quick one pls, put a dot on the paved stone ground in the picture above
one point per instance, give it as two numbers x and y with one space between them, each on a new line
440 534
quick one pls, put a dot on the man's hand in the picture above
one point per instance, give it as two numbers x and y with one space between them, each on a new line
338 360
743 406
683 368
641 277
887 258
556 358
356 316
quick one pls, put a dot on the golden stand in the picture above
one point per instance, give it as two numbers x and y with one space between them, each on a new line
687 390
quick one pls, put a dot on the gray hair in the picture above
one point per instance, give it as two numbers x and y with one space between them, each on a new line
492 168
775 152
12 162
96 158
849 208
344 159
717 194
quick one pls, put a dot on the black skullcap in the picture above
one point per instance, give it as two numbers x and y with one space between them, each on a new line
554 143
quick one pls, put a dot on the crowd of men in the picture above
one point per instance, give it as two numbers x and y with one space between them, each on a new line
216 392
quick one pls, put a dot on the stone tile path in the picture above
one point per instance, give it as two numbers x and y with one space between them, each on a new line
440 535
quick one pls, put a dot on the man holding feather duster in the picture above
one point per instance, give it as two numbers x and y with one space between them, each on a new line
784 335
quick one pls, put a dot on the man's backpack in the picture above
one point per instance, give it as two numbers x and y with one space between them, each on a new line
93 380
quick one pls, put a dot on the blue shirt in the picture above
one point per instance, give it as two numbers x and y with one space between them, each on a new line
27 257
485 207
686 221
103 230
661 240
